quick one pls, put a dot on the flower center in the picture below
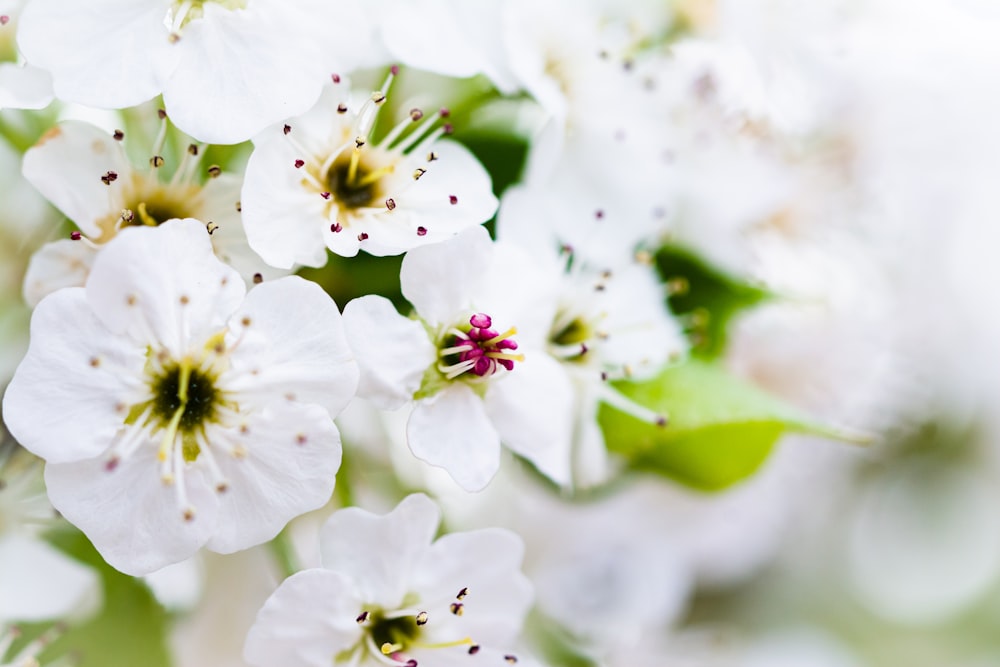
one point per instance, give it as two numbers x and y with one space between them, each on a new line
478 349
352 184
392 637
569 337
355 173
189 392
399 632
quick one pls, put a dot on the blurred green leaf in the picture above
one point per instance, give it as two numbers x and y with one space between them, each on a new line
706 297
720 430
129 630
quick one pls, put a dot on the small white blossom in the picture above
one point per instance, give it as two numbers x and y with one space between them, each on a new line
389 594
321 181
86 173
172 411
476 377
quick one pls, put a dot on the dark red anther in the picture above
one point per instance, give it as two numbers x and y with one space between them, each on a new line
421 231
76 236
452 199
299 164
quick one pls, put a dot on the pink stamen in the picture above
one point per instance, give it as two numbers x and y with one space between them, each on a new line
481 350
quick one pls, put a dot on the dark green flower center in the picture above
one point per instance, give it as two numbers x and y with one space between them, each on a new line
398 631
357 192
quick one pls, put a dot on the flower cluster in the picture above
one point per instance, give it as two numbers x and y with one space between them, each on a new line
267 265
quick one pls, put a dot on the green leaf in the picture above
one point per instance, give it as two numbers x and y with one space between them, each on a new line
707 296
720 430
129 630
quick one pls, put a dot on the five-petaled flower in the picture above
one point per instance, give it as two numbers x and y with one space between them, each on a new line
175 411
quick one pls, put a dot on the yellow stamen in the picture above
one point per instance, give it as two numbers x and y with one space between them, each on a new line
460 642
496 339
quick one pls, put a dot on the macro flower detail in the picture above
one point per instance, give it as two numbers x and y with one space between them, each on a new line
480 350
86 173
188 415
473 385
389 594
226 68
324 180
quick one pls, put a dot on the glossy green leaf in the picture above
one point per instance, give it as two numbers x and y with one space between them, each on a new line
720 430
705 297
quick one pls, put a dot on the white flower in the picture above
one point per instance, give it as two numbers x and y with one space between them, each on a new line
226 68
471 371
320 182
389 594
86 173
609 318
173 412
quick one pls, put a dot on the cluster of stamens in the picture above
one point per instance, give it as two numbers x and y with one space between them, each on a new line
351 176
149 200
178 402
391 636
480 350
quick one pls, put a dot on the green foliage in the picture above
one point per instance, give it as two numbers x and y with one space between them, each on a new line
720 430
705 296
129 630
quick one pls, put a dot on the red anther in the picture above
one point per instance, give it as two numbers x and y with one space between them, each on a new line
452 199
335 78
299 163
76 236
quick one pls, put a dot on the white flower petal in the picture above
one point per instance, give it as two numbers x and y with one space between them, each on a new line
66 165
440 280
393 352
132 517
486 562
63 263
240 71
451 430
456 39
60 405
294 345
284 222
379 553
24 87
40 583
164 284
103 53
229 239
292 457
306 622
532 407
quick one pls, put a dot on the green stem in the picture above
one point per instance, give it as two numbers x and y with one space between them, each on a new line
284 554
